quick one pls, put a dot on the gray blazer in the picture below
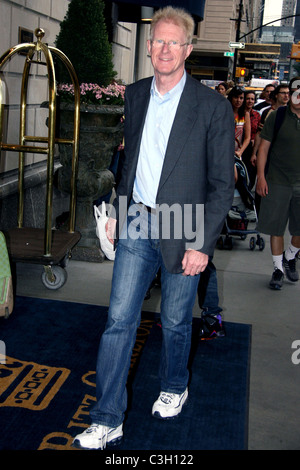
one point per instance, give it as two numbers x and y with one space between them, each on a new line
198 169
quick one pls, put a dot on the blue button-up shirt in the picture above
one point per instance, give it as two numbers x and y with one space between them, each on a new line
157 128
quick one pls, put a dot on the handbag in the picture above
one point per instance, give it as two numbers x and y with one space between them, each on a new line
6 283
101 218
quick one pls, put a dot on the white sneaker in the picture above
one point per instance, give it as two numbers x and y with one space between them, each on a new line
251 215
169 405
234 214
98 436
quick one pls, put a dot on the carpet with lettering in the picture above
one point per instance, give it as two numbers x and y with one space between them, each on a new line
48 351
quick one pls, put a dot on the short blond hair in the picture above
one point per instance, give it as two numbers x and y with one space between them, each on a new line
177 16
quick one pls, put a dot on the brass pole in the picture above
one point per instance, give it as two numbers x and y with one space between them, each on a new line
22 129
51 140
76 132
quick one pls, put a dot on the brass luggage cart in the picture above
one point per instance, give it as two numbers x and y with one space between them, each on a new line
48 247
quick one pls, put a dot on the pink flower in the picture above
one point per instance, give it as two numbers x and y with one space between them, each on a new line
91 93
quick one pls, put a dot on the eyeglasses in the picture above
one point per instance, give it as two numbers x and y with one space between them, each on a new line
172 45
283 93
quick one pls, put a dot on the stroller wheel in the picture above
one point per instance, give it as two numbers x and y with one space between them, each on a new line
252 243
220 243
261 243
228 243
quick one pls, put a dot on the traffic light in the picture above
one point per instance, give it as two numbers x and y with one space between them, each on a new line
295 52
241 72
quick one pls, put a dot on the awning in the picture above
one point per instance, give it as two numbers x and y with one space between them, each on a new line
130 10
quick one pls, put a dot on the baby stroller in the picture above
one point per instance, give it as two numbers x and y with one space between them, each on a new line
241 213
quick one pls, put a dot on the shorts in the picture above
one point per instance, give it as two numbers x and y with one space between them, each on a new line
280 206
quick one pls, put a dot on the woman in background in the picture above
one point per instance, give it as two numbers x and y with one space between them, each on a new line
255 118
242 120
242 132
222 88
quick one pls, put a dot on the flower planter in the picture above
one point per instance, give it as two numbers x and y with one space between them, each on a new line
101 132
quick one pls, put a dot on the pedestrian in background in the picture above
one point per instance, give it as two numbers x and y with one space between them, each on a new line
280 187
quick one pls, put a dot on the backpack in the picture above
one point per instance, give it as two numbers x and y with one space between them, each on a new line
280 115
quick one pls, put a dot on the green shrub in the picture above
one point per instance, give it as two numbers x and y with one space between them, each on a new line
84 40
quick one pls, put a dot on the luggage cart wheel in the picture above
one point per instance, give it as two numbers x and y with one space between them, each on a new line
54 277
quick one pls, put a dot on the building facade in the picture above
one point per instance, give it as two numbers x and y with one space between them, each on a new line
20 18
224 21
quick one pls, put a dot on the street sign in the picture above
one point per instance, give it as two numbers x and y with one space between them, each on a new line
228 54
237 45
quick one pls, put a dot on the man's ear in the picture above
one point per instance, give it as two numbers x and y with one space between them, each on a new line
149 46
189 50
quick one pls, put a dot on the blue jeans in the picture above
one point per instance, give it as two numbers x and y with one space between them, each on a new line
136 263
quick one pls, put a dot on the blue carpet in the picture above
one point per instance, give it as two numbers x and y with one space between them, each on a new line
47 383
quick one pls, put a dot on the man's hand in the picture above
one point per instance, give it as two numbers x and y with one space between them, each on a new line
110 228
194 262
262 157
262 186
253 159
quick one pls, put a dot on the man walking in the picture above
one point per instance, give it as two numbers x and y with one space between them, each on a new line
266 101
280 189
278 97
179 147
